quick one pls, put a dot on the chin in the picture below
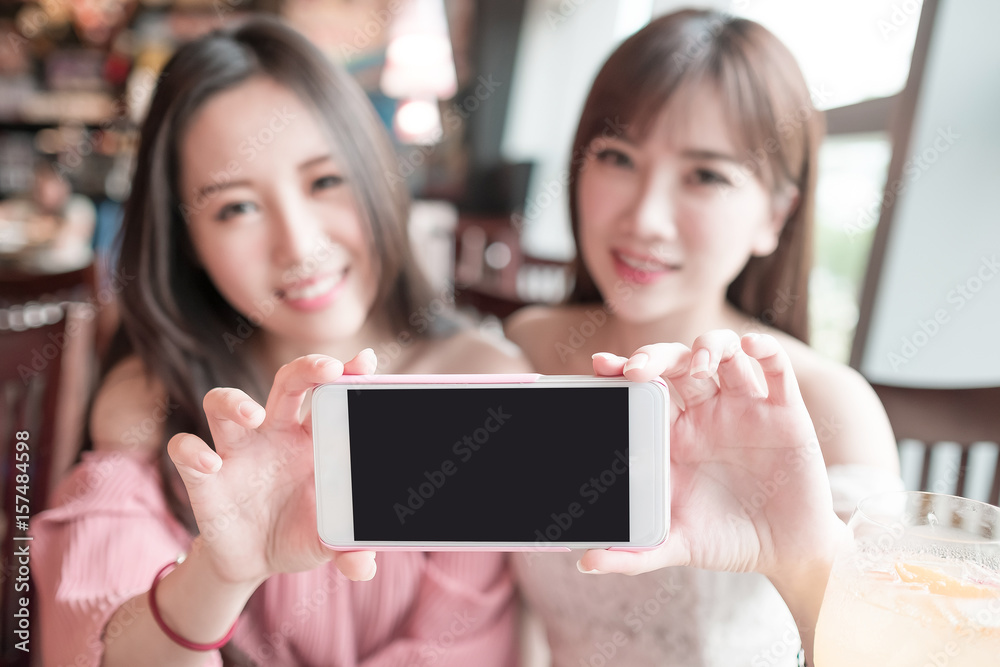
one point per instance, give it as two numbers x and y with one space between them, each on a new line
637 308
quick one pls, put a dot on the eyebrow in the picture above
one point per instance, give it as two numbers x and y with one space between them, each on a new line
701 154
215 188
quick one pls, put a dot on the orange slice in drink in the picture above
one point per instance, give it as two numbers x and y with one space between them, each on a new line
940 583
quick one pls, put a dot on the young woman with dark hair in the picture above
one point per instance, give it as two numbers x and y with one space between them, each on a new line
264 242
697 216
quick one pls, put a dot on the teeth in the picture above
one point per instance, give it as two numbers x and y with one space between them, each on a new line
643 265
314 290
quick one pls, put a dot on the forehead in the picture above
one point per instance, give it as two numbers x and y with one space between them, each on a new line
693 117
252 128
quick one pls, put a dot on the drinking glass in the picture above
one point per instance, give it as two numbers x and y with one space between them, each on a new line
917 586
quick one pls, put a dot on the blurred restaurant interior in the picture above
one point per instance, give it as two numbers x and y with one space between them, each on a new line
480 98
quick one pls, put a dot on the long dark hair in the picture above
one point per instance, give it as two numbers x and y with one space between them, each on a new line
768 106
173 317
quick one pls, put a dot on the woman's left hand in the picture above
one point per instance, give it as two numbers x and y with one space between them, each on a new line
749 490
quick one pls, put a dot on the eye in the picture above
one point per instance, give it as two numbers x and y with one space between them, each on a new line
613 157
327 182
709 177
230 211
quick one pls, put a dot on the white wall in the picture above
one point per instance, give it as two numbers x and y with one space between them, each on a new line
563 44
936 318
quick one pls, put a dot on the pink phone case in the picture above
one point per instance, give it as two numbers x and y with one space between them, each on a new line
496 378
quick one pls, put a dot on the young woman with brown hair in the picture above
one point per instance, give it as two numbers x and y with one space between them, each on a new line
696 217
263 242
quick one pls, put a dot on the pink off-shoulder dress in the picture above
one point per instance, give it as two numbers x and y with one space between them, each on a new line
110 530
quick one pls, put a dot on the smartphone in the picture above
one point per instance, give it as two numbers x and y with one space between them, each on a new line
491 462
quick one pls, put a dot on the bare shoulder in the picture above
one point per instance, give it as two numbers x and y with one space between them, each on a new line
129 411
850 421
539 321
539 330
471 351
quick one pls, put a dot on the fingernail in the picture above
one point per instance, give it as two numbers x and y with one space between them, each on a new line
210 461
579 566
637 361
699 362
323 363
249 409
607 355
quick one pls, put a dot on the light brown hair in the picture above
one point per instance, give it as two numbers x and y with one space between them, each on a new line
769 108
173 317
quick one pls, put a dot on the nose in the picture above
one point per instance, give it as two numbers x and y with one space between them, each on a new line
652 213
297 233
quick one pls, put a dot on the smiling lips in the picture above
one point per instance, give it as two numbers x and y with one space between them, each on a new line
314 293
641 269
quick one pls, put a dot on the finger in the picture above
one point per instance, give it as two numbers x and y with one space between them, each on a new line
232 416
710 349
608 365
604 561
365 363
356 565
738 374
293 381
193 458
671 361
782 387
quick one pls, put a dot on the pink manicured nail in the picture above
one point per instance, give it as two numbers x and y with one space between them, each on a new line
637 361
249 409
700 361
210 461
580 568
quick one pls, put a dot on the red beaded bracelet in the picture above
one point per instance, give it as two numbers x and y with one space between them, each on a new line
176 638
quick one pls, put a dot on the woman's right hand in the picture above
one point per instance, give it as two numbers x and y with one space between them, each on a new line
254 496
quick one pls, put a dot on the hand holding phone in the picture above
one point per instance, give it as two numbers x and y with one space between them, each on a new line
491 462
747 461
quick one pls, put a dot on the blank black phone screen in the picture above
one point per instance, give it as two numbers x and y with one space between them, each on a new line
534 465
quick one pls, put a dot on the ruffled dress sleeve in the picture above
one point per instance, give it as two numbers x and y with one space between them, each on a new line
108 533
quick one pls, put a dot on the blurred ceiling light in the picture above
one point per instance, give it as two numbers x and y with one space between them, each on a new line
418 122
419 64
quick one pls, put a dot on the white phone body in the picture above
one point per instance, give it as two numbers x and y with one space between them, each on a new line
481 462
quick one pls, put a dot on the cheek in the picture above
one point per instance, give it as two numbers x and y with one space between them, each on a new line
600 202
721 236
234 262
